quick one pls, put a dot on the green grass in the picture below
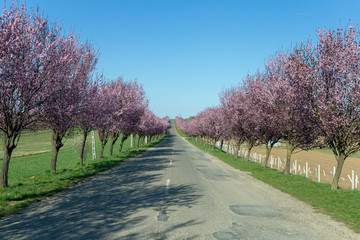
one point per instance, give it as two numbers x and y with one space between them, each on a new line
33 163
343 204
30 179
33 143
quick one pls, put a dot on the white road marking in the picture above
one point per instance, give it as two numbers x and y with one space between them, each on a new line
167 186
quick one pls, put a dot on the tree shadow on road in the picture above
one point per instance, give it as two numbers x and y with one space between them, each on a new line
105 204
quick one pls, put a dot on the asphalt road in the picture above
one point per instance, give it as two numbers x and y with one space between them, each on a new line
173 191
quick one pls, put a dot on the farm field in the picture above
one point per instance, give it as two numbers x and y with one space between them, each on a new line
325 159
33 154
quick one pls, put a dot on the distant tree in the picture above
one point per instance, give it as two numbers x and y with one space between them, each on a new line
89 114
129 105
25 67
295 118
134 105
106 108
265 110
232 102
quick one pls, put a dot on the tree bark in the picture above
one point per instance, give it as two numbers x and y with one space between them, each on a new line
103 136
10 143
102 150
221 144
340 163
56 144
5 166
289 152
114 138
134 138
122 142
251 145
268 151
138 142
82 157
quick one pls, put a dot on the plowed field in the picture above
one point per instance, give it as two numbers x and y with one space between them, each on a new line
314 158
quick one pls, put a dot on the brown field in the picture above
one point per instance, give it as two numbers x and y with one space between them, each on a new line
326 160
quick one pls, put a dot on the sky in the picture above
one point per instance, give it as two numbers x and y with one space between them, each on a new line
185 53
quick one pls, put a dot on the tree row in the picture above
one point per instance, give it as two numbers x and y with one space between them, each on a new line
47 81
307 96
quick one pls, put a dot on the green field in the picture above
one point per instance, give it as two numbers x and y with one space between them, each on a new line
342 205
33 155
29 172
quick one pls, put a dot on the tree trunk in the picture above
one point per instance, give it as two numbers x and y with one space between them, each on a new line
102 150
228 146
340 162
237 149
114 138
122 142
10 143
251 145
138 141
103 136
268 150
221 144
82 157
5 166
56 144
289 152
133 140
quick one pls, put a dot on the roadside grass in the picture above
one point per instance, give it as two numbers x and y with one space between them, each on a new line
343 204
30 179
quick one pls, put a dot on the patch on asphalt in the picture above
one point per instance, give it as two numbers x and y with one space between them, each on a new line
255 211
201 165
162 216
217 172
214 174
225 236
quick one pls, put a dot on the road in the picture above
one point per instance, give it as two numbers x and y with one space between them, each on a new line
173 191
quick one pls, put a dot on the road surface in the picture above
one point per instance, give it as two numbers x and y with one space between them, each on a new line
173 191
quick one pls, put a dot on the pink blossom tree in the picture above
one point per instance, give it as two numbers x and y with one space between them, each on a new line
213 120
295 118
130 103
25 66
251 117
106 108
268 127
232 102
329 75
73 64
89 114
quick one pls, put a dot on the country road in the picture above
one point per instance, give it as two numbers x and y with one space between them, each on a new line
172 191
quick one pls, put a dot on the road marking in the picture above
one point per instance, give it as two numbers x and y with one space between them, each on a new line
167 187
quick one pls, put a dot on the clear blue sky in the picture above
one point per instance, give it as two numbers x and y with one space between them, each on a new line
186 52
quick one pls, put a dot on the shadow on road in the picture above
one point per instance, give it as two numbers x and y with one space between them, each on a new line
105 204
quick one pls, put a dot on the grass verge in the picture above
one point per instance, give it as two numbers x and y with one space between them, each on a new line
343 204
31 189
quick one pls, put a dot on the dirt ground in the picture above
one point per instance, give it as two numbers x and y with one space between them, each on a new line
314 158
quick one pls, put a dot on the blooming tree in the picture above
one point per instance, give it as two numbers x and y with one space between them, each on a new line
232 101
329 75
268 127
73 64
130 104
25 65
89 114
